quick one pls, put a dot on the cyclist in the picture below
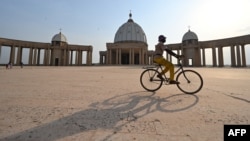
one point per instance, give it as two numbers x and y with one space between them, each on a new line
158 58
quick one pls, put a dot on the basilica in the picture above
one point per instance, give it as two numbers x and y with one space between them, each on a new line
130 46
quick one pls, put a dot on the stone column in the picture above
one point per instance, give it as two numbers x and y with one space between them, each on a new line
71 57
68 58
117 56
21 55
90 57
81 52
140 56
48 57
45 57
110 56
233 62
147 57
107 57
220 54
38 56
18 59
243 56
238 56
198 62
76 58
12 54
35 56
143 56
214 57
100 59
204 56
130 56
52 61
133 56
80 57
31 56
120 56
63 57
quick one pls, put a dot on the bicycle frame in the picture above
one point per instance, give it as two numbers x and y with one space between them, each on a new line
180 69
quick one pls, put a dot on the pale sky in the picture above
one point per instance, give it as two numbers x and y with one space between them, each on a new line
95 22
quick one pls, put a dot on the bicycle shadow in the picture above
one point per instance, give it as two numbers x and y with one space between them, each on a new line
111 114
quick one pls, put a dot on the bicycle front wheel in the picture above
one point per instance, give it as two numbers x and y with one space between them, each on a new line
150 81
191 81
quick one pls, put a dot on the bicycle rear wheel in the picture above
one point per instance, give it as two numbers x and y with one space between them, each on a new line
191 81
150 81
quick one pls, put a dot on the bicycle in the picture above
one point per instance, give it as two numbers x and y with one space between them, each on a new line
190 81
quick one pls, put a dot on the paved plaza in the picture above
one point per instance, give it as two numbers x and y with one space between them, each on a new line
107 103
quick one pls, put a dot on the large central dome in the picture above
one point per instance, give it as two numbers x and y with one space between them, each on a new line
130 32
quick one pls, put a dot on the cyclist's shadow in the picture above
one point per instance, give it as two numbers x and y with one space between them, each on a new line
132 106
142 103
111 114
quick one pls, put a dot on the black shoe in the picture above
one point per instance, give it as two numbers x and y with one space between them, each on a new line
173 82
160 76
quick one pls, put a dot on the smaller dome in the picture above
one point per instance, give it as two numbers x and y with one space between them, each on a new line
59 37
189 36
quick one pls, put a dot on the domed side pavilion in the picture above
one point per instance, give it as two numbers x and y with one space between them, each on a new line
56 53
130 46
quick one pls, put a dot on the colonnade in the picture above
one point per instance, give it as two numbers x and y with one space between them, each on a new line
120 53
237 52
66 56
236 45
52 55
123 53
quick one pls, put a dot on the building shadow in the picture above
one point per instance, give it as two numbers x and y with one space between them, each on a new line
111 114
